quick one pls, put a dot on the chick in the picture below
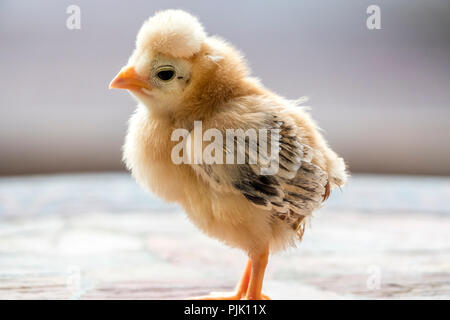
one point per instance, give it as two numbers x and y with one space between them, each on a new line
181 76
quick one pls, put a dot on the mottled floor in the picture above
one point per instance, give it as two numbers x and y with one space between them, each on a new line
99 236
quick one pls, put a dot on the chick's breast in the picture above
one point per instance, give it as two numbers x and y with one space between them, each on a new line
147 154
234 202
224 215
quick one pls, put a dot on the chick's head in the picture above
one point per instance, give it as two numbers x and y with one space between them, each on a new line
174 61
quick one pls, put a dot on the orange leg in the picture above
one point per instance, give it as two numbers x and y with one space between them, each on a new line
259 263
240 290
243 284
250 286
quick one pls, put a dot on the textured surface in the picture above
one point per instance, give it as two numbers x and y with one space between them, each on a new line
100 236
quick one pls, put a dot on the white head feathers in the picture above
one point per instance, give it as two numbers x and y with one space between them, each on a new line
172 32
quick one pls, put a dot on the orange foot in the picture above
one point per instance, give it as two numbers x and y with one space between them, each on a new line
250 285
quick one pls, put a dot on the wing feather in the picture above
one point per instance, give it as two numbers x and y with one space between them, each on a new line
299 186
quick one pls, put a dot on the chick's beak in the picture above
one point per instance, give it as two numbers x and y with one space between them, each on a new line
129 79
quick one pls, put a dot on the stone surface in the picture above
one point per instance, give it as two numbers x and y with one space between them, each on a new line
99 236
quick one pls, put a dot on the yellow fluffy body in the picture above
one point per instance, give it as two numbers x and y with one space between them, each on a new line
219 84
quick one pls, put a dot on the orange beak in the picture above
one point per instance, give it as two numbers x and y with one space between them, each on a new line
130 80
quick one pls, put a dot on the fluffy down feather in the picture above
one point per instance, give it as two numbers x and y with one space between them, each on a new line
172 32
242 208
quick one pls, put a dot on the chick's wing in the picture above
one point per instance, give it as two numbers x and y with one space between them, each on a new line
273 170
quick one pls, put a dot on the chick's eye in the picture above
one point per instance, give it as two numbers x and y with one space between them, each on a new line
165 75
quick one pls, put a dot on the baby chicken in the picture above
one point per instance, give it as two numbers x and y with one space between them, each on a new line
181 76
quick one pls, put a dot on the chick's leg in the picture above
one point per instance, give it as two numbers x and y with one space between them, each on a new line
243 284
259 263
241 289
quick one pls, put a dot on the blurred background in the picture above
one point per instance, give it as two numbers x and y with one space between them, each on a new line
382 96
74 224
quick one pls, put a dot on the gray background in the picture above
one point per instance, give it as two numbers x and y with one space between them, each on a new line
382 96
